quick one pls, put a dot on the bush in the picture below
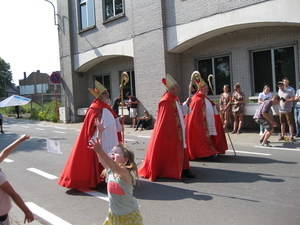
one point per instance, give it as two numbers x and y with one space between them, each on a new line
46 113
37 112
50 111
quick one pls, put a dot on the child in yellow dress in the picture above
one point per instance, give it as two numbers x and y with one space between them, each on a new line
123 207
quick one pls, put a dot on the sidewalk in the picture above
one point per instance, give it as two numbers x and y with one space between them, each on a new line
246 138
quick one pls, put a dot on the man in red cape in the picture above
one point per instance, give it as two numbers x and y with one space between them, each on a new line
83 168
204 132
167 154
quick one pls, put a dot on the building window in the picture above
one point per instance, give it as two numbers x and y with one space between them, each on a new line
272 65
130 86
105 81
219 67
113 8
87 14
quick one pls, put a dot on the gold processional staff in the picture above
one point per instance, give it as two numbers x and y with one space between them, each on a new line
124 81
211 80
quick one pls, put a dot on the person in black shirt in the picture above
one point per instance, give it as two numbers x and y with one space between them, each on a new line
133 104
116 104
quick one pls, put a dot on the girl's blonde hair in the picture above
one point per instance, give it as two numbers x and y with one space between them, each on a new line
130 164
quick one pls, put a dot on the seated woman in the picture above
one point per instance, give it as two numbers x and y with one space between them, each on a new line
145 121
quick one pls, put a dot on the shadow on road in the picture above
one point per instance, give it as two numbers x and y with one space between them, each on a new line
157 191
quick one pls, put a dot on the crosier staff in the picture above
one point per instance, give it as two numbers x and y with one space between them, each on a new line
210 80
124 81
194 77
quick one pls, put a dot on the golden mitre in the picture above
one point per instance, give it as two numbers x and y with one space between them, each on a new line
169 81
200 83
99 89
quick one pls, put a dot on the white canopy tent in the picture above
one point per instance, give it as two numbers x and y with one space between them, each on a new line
14 100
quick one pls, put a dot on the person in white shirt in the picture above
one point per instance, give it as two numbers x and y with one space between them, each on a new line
285 110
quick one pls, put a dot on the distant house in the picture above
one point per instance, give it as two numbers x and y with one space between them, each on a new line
38 87
12 91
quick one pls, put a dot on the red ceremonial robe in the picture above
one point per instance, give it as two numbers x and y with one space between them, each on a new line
166 156
83 169
200 143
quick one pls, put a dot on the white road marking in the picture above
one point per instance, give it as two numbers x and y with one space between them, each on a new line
129 140
95 194
25 126
42 173
51 218
63 128
275 148
8 160
39 129
144 136
251 153
60 132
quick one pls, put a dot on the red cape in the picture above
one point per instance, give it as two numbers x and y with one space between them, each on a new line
83 169
200 143
165 155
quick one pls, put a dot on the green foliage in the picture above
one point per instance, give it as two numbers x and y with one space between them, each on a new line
48 113
5 77
37 112
10 111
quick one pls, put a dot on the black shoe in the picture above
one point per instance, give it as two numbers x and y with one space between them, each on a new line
214 157
2 132
261 141
187 173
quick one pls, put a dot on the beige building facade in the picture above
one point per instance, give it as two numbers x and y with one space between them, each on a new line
253 42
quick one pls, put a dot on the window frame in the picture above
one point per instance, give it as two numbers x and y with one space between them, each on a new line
212 58
274 81
114 17
87 13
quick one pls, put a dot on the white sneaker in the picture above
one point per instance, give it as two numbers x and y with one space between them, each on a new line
261 133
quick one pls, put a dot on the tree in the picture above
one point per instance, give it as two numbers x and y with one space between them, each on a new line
5 77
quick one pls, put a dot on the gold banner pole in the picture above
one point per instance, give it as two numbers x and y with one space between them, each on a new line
210 80
124 81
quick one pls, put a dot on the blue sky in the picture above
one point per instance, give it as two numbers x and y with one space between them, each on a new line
29 38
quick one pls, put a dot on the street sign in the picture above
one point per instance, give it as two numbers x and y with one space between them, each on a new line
55 78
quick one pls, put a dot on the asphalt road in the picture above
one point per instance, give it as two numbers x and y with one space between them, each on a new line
258 186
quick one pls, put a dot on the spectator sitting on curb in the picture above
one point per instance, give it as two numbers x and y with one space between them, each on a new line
145 121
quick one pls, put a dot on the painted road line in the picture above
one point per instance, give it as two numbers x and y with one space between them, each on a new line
63 128
282 149
95 194
144 136
129 140
8 160
250 153
39 129
60 132
51 218
25 126
42 173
